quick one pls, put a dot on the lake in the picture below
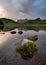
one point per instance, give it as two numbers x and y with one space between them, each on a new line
8 43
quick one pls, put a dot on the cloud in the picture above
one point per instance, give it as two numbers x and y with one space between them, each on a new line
40 7
25 8
20 6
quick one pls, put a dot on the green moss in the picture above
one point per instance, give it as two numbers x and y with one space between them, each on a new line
31 47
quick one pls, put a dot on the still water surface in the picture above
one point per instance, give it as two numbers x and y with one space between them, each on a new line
8 43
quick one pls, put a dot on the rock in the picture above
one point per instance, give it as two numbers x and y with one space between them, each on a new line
13 32
25 42
20 32
26 49
33 38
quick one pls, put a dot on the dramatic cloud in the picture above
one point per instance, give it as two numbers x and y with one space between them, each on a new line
40 7
17 9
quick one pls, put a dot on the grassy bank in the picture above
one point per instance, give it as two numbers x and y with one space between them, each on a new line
32 25
10 26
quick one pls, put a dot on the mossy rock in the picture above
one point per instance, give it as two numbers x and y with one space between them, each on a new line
26 51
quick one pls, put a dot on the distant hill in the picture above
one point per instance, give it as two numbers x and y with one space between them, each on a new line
35 21
22 20
7 20
7 24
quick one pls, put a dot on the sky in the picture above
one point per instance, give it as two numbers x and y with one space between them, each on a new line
23 9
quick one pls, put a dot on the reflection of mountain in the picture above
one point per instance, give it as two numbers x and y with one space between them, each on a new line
7 24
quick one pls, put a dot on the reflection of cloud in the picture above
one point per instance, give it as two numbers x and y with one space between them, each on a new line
25 8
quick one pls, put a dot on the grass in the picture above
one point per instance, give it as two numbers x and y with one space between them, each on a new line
11 25
31 25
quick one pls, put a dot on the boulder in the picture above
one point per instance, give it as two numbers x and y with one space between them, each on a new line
20 32
26 49
33 38
13 32
25 42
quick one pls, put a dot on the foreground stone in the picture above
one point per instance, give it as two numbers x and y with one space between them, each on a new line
26 41
26 49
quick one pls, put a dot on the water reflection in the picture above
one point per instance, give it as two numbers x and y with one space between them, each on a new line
8 42
36 28
3 38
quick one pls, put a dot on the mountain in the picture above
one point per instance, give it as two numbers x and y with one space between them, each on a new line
29 21
8 24
22 20
7 20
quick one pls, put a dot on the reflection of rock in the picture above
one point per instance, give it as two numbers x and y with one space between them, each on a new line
2 32
33 38
13 32
20 32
